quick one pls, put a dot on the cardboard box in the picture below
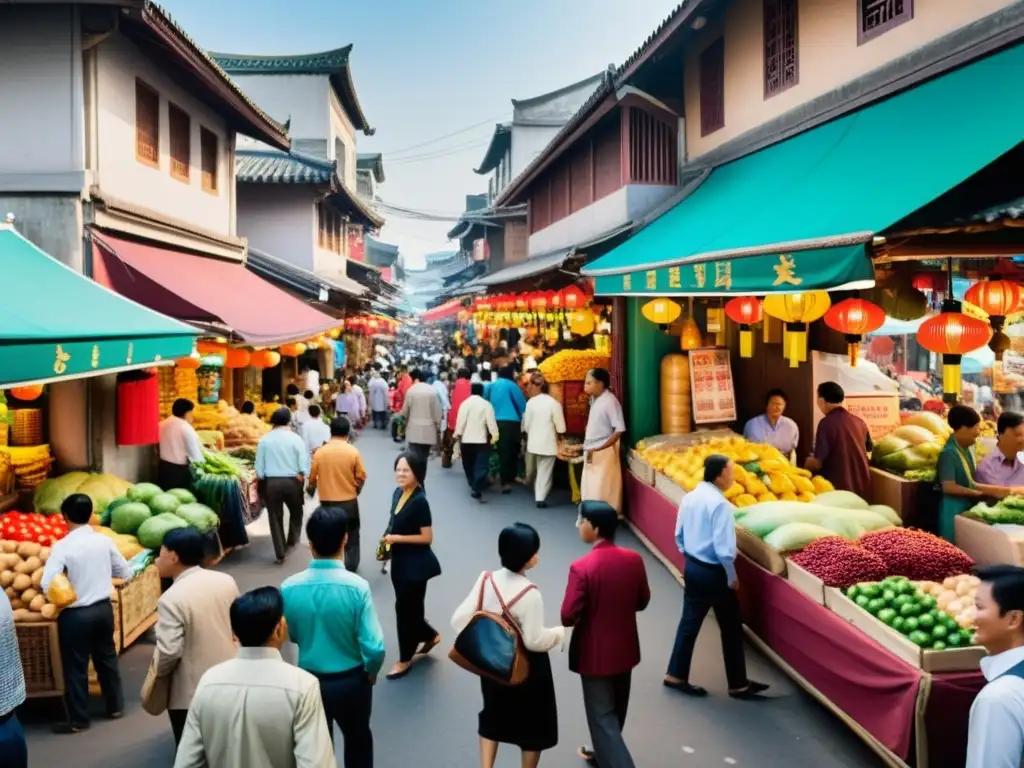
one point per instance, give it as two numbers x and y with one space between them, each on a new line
643 471
806 582
913 500
987 544
669 488
950 660
756 550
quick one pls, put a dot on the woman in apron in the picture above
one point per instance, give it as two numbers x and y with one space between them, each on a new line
602 469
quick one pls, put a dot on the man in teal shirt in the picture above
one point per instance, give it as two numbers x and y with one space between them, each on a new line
332 620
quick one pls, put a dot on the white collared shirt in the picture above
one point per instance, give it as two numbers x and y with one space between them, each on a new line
314 433
996 733
179 442
91 561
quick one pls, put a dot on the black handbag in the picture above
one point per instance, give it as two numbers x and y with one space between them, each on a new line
491 645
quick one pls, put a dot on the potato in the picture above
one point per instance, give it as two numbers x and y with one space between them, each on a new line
6 578
37 578
49 611
9 561
17 605
9 547
23 614
44 554
29 565
29 549
22 582
37 604
11 594
29 595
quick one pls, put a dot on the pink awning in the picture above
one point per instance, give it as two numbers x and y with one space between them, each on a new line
443 312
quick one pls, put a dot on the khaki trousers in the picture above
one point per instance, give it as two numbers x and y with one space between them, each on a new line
540 470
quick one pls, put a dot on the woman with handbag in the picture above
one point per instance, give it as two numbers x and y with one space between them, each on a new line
406 543
523 714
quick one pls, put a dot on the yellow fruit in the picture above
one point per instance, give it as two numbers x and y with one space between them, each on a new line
744 500
780 484
766 496
802 484
805 497
735 490
788 496
772 465
690 482
821 485
755 486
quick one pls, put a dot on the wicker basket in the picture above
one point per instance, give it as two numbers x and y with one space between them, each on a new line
138 600
39 647
28 426
4 428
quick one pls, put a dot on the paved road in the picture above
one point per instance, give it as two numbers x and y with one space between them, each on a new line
429 718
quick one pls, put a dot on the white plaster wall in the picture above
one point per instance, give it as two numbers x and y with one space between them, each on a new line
597 218
329 264
300 98
341 127
41 104
528 141
120 175
278 220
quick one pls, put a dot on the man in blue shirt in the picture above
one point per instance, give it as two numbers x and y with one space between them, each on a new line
282 465
771 427
332 620
706 537
509 406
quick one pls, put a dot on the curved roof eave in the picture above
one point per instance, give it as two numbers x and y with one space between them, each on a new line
501 140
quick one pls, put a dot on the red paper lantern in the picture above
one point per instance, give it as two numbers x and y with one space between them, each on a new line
573 297
237 358
952 334
138 409
521 302
27 394
882 346
930 281
556 300
188 363
484 304
854 318
998 298
745 311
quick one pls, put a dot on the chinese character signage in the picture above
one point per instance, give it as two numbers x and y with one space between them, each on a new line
881 412
576 404
356 243
820 269
711 387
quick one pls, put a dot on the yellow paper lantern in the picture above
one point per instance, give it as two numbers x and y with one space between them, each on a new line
581 322
300 349
661 312
796 310
691 337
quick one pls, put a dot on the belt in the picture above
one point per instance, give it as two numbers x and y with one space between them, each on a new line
331 676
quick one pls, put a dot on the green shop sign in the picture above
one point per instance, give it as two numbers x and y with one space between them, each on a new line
37 362
821 269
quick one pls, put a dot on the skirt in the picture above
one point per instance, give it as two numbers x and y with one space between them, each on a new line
524 715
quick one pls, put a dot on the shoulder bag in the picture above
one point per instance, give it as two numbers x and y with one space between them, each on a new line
491 644
156 691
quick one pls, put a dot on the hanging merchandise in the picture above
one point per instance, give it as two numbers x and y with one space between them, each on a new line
237 358
745 311
661 312
265 358
854 317
573 297
289 350
690 337
209 379
998 298
796 310
952 334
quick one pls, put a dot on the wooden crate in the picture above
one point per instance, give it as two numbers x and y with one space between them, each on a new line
643 471
138 600
39 647
805 581
755 549
669 488
988 544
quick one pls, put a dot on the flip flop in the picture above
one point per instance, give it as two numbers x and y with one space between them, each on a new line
426 648
585 753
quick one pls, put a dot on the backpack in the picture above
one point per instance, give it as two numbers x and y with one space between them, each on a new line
491 645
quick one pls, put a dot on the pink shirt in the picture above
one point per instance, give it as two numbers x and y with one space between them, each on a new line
996 469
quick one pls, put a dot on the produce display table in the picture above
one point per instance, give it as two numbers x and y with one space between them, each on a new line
910 717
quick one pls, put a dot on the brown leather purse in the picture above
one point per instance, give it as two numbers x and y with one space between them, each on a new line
491 644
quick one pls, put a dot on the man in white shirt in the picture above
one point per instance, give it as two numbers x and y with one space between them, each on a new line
86 627
311 379
300 413
256 710
314 432
179 445
475 430
996 733
543 425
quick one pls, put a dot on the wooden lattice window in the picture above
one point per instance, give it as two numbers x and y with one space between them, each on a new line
876 17
179 127
147 124
208 158
712 87
781 69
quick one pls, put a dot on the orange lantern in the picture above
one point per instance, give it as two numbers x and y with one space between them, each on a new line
237 358
289 350
264 358
930 281
573 297
188 363
521 302
211 348
745 311
484 305
27 394
998 298
854 317
952 334
555 301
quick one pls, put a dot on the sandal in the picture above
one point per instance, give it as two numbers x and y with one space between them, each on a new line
399 673
426 648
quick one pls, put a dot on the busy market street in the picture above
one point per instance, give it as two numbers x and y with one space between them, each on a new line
430 717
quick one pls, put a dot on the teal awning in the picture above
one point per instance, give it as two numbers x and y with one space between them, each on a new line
57 324
844 182
822 269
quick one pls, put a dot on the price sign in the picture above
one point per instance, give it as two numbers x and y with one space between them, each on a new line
714 399
881 412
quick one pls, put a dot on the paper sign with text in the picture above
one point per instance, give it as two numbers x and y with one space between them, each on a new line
881 412
714 399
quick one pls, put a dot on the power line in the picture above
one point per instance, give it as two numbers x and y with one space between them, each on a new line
456 150
447 135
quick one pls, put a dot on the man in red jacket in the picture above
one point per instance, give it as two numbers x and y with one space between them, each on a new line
460 393
607 587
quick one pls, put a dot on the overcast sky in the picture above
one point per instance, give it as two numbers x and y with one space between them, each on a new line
424 70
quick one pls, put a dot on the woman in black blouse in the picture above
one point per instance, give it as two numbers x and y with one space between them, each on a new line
413 562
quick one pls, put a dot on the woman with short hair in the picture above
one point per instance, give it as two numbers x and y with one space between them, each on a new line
524 715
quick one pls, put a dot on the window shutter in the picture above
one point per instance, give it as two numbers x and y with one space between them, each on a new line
208 151
781 69
147 124
180 130
876 17
712 87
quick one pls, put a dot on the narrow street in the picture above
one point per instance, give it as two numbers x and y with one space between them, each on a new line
429 718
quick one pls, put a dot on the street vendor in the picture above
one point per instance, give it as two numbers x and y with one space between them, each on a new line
956 471
841 444
1003 466
179 444
771 427
602 470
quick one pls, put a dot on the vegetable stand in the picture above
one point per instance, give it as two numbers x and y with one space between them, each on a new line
910 716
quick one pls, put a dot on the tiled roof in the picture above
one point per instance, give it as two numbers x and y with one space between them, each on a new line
159 23
333 63
272 167
372 161
501 140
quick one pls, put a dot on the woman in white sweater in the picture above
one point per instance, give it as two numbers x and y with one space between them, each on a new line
524 715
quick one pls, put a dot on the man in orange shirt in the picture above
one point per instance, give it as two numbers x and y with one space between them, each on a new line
338 474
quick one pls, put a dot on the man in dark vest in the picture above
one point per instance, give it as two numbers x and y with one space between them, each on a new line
841 444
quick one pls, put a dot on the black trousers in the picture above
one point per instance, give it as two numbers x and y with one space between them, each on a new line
178 718
84 633
606 701
351 510
410 618
475 460
284 492
380 419
13 748
509 433
170 475
707 588
423 451
348 701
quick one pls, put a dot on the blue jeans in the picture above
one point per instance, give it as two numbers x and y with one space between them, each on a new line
13 749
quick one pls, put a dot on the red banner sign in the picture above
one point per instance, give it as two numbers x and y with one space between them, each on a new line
576 404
